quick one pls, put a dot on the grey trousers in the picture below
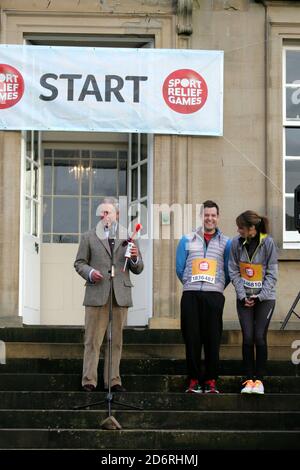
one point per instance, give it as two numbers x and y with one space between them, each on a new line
96 323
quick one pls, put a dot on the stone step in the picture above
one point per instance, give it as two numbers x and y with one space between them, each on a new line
148 439
131 351
151 419
46 334
138 366
139 383
40 385
16 400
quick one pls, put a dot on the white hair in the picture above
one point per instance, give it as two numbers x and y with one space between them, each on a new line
108 200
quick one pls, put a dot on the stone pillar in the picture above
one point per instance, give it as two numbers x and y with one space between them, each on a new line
163 259
171 186
10 158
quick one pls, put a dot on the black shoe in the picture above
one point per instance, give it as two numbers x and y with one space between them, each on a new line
89 388
118 388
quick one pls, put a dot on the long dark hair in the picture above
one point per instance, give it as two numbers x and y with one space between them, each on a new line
250 218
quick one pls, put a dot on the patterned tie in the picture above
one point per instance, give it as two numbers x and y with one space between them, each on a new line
111 242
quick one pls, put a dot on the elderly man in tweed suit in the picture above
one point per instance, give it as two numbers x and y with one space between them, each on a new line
93 263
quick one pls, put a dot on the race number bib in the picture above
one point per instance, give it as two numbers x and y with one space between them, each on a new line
204 269
251 275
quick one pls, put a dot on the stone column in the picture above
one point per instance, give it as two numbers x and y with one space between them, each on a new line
171 186
10 158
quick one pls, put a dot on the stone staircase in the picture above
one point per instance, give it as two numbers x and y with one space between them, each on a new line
40 386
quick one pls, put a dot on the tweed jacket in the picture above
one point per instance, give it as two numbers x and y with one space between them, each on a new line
94 253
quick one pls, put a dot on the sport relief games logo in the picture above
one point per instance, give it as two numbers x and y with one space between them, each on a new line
204 266
249 272
185 91
11 86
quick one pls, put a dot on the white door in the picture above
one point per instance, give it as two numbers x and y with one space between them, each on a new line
139 202
30 230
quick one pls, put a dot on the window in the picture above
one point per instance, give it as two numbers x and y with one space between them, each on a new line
74 183
291 141
138 181
32 169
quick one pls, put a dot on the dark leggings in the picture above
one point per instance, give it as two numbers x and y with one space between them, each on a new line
254 323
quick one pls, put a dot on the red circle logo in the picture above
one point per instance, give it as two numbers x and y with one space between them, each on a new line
249 272
11 86
204 266
185 91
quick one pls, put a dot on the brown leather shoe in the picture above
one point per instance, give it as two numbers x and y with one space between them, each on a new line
89 387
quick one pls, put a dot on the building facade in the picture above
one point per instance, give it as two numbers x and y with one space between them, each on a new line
50 180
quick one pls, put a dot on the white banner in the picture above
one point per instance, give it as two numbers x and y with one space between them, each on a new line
161 91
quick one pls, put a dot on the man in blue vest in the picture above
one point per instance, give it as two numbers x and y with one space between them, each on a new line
202 267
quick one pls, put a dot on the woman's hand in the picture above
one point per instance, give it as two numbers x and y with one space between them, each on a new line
249 302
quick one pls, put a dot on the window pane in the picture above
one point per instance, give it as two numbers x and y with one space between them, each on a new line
85 177
95 203
36 147
293 104
66 153
35 227
292 138
66 177
133 213
144 180
27 216
65 215
28 178
144 152
28 144
111 154
292 175
104 178
134 148
47 206
292 66
84 214
144 217
35 175
47 189
289 214
123 155
66 174
122 178
65 238
134 184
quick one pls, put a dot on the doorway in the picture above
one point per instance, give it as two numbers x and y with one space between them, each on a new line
74 172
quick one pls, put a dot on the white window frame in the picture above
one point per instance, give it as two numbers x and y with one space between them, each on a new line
291 239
